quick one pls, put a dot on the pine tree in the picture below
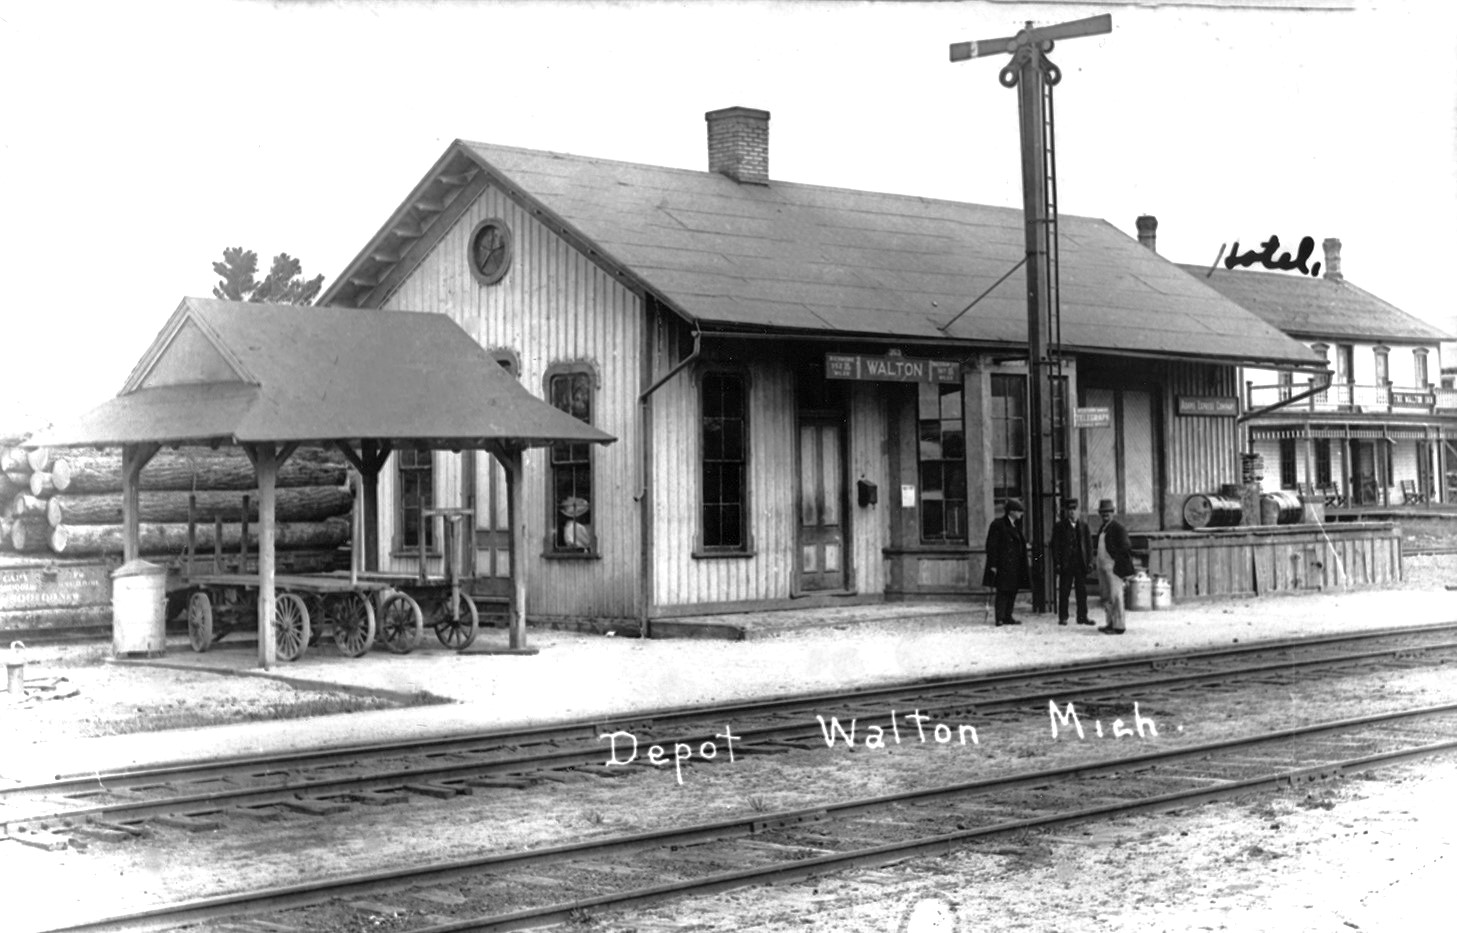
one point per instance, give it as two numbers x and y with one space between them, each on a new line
284 283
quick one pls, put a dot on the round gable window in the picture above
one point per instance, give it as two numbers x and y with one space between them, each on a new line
490 251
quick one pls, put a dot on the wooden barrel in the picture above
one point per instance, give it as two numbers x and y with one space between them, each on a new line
1280 508
1206 511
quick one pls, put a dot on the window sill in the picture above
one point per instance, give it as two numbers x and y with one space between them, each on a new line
730 555
413 552
571 555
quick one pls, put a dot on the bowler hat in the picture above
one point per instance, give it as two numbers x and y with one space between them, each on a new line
1013 505
1069 503
1106 505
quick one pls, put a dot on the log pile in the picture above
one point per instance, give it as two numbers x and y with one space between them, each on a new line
70 502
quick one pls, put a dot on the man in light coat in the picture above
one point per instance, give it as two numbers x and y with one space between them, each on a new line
1115 562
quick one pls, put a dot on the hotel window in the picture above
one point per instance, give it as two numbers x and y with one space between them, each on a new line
415 471
725 461
942 431
1383 365
1009 438
570 468
1286 380
1419 367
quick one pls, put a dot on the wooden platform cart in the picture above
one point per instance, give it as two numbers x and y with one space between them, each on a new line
443 602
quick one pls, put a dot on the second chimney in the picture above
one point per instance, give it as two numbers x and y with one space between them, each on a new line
1148 226
1333 259
738 144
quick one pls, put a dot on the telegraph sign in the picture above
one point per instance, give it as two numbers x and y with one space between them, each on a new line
1101 417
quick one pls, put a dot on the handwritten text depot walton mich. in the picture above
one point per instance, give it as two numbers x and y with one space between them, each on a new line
919 729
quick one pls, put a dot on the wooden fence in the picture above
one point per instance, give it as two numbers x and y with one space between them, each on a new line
1258 560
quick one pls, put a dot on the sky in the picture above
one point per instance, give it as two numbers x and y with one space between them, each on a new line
140 139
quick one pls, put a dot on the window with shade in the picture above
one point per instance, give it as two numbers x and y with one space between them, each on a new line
942 453
1419 367
570 480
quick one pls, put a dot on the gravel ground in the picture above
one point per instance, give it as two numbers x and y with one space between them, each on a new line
1220 868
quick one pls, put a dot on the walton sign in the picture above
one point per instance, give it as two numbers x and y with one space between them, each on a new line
890 368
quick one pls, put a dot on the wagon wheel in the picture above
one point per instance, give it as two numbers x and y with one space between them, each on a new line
199 621
318 614
290 626
458 629
401 624
353 619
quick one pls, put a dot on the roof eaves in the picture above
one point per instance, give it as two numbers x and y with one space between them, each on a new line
557 224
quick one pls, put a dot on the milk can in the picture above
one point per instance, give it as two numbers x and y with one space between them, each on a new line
1163 593
1138 592
15 671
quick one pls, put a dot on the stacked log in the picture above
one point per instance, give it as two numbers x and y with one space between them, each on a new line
70 501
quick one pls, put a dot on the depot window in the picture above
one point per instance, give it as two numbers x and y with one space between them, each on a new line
570 483
415 473
724 455
942 452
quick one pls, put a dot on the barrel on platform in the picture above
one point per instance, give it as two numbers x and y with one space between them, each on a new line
1280 508
1203 510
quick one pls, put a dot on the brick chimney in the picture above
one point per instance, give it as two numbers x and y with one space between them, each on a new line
1148 226
738 144
1332 248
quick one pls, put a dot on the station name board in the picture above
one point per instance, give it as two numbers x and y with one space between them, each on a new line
890 368
1414 399
1215 405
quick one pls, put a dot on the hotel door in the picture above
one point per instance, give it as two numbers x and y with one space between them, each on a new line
821 563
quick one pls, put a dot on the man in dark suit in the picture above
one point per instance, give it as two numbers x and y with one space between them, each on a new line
1115 562
1006 561
1072 557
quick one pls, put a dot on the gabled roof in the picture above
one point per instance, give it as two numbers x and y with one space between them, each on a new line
805 258
240 372
1303 306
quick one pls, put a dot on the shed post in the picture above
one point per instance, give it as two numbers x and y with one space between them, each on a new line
266 467
133 458
513 462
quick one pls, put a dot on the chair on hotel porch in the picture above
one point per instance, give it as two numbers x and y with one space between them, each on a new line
1333 495
1409 493
1306 491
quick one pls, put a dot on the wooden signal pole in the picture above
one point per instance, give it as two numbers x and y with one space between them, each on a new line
1033 76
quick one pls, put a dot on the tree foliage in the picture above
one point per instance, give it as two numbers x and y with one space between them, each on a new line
284 284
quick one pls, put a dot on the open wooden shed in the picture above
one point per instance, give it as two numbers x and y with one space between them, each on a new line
271 377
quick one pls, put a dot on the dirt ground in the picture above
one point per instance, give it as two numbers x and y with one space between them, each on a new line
1367 854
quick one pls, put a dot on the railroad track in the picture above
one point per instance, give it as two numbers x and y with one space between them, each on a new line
80 810
521 889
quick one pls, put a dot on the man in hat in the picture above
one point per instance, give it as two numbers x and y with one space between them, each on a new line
1006 561
1072 558
1115 561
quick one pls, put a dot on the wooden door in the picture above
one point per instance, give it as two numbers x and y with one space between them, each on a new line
821 544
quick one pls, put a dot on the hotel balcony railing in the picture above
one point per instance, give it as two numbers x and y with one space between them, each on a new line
1346 397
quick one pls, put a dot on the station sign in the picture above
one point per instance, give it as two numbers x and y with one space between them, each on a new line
1098 417
1414 399
890 368
1217 406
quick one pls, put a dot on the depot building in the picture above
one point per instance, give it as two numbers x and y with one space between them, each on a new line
820 394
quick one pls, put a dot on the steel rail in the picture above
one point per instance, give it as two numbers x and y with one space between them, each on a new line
340 786
316 892
788 703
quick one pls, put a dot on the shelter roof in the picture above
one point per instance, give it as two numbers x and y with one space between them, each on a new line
1304 306
241 372
796 257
